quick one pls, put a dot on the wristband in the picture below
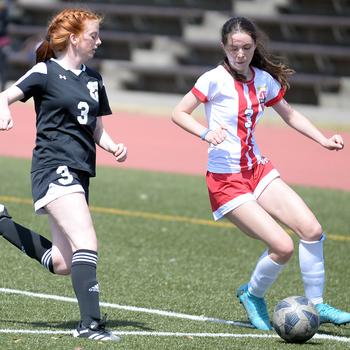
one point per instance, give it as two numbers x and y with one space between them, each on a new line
204 134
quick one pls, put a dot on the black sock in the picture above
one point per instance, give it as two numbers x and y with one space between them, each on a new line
85 285
28 241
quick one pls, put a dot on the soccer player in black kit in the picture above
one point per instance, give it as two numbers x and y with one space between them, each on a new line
70 100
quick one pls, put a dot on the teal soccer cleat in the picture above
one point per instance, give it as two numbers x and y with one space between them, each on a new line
255 307
329 314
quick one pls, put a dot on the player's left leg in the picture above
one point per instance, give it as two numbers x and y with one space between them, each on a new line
286 205
71 215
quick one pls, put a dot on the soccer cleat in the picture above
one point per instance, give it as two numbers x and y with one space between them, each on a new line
255 307
96 331
329 314
4 213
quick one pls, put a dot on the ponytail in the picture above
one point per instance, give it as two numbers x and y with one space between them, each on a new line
44 51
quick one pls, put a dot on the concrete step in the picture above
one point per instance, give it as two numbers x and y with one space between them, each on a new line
261 7
340 99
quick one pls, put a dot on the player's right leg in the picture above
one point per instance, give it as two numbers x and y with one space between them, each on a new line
253 220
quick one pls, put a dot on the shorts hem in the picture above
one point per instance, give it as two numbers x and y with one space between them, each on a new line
53 193
265 181
232 204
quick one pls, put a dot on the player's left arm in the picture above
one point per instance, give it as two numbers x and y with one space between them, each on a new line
103 139
302 124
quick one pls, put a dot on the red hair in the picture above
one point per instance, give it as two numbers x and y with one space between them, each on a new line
67 22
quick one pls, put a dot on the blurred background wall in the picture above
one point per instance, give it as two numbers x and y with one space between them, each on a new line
162 46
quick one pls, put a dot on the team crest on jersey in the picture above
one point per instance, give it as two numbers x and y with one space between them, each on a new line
93 88
262 95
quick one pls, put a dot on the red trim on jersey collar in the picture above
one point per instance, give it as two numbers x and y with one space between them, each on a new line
201 97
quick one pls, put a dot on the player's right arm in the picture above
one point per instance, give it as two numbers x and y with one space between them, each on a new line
182 117
7 97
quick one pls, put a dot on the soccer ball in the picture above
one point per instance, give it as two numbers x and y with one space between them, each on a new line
295 319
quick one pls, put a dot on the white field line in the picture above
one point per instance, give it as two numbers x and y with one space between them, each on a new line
177 334
129 308
157 312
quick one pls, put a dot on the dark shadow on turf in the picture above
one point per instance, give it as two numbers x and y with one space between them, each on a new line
334 332
310 342
111 324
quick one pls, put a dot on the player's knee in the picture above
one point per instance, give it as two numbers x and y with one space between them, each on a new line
63 271
284 251
312 231
61 268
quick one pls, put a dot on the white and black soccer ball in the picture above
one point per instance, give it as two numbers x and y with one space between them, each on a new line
295 319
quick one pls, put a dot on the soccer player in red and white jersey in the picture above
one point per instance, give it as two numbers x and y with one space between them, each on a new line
243 185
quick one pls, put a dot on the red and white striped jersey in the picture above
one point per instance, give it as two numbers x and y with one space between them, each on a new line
239 106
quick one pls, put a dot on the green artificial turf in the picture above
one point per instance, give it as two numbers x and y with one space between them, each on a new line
160 251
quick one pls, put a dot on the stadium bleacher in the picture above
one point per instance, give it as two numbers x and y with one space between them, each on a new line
161 20
305 28
218 5
116 45
316 44
125 27
310 7
305 58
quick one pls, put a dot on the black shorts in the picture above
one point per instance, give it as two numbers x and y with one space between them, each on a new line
49 184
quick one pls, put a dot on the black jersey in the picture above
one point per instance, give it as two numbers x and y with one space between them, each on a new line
66 106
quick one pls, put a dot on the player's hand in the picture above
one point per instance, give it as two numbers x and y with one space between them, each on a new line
216 136
120 153
335 143
6 122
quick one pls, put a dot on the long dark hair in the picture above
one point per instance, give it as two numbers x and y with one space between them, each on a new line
262 58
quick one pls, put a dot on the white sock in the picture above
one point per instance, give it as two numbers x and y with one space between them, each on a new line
312 269
265 273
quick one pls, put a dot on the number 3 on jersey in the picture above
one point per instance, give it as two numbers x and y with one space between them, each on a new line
84 111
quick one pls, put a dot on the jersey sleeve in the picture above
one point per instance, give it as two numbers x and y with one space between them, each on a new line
104 108
33 82
205 87
275 92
